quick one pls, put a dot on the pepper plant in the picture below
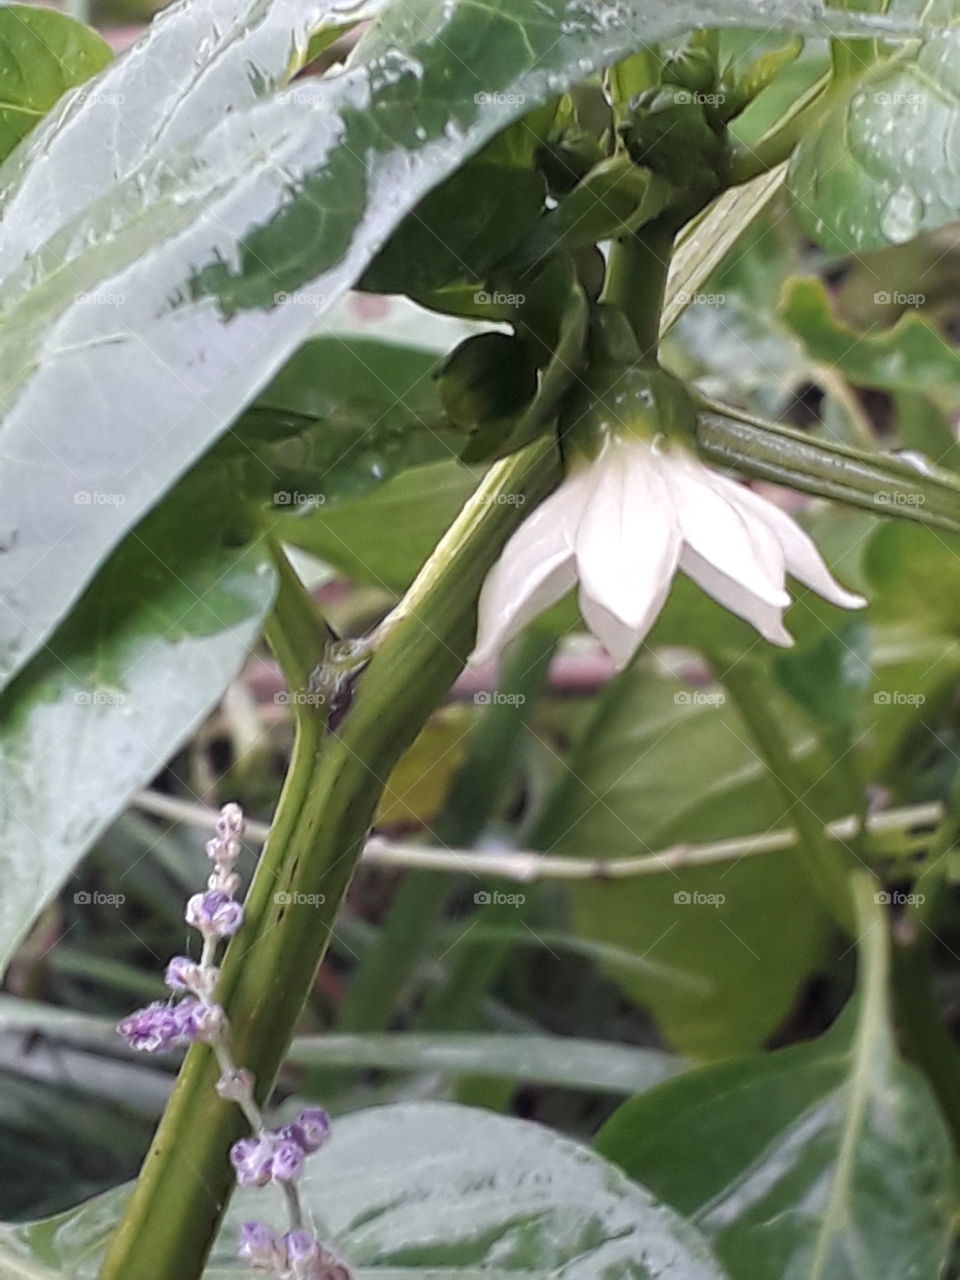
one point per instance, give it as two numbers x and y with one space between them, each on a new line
673 369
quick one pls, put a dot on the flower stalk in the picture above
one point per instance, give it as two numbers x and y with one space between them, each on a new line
319 830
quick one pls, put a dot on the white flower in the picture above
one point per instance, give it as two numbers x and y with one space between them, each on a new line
623 523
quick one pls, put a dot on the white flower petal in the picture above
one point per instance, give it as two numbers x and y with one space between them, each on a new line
803 559
715 528
628 543
535 569
733 595
619 640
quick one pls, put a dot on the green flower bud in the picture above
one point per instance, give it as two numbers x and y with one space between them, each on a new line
488 377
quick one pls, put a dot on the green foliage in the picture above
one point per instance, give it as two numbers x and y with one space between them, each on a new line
190 390
840 1126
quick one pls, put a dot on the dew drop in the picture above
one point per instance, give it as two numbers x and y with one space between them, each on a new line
901 216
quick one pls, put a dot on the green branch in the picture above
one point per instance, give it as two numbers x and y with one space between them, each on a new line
319 829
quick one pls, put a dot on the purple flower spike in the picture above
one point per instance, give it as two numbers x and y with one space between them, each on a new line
214 913
153 1029
252 1160
260 1248
288 1160
314 1123
182 974
303 1253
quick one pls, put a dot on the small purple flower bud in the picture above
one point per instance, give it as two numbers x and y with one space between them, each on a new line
231 821
153 1029
214 913
303 1253
314 1124
288 1161
252 1160
238 1086
228 884
182 974
260 1248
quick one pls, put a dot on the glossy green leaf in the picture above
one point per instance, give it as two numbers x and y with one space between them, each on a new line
385 537
458 231
141 315
142 659
825 1161
910 356
42 55
879 168
667 763
435 1191
562 1061
342 417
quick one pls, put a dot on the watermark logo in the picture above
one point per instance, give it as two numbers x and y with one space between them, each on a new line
94 898
896 898
99 299
494 699
693 898
499 99
700 299
886 98
898 299
897 698
299 698
496 299
686 96
294 498
299 899
699 698
888 498
96 498
99 698
499 499
494 898
300 299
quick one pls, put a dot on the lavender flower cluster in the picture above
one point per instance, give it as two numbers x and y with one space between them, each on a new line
163 1025
191 1015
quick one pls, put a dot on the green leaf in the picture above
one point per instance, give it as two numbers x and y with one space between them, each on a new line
664 763
342 417
555 1060
459 231
875 170
826 1161
42 55
141 660
141 315
385 537
435 1191
910 356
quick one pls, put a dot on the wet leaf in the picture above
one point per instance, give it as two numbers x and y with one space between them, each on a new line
143 658
142 313
459 1194
42 55
827 1160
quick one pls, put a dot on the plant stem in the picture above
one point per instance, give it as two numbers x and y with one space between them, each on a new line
319 829
827 866
636 283
891 832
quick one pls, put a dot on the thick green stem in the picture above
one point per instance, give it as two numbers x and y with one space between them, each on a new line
636 283
321 822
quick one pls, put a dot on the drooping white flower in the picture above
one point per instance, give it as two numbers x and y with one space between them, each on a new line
623 523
